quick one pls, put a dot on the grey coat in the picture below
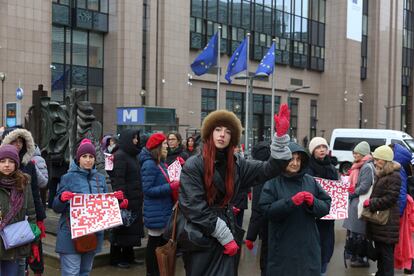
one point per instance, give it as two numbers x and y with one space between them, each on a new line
363 184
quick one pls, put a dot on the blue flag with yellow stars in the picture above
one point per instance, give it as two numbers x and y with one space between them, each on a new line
238 61
207 58
267 64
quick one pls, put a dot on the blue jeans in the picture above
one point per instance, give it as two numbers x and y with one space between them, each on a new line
9 268
76 264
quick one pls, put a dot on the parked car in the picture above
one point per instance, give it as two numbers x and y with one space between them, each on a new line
343 140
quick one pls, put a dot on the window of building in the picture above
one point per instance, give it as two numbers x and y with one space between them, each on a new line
208 101
313 118
294 115
235 103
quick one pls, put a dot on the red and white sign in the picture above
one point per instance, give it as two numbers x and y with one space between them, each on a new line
109 162
90 213
174 171
338 191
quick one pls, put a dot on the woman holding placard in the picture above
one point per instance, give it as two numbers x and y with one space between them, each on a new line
81 178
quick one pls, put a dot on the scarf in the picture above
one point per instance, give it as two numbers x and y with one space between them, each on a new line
354 172
323 168
190 149
15 201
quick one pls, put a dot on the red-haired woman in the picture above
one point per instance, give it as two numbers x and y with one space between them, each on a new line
209 182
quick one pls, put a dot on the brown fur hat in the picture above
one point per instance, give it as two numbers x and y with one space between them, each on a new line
222 118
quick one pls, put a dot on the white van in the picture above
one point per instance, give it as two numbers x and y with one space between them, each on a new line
343 141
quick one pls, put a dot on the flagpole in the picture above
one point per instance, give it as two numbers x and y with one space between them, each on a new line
272 127
218 66
246 123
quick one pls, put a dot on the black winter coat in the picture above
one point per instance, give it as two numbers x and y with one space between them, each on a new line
127 178
193 205
294 248
324 169
385 195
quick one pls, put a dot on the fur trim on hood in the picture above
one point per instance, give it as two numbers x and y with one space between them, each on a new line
222 118
28 149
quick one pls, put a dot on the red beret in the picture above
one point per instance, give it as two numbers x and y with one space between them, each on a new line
155 140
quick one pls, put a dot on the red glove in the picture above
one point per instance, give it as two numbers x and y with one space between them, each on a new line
35 253
181 160
124 204
282 120
174 185
366 203
119 195
66 195
298 198
249 195
236 210
309 198
231 248
351 189
249 244
42 228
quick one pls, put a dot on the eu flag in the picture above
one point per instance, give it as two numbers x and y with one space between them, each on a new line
207 58
238 61
267 64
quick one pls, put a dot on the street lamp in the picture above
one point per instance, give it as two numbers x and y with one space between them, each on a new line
2 78
387 113
290 90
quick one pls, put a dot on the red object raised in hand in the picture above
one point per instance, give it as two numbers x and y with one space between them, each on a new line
309 198
119 195
66 195
249 244
366 203
282 120
42 228
298 198
231 248
124 204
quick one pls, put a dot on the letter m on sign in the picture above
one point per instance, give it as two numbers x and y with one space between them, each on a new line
130 115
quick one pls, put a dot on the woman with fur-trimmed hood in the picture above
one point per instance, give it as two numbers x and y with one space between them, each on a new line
209 182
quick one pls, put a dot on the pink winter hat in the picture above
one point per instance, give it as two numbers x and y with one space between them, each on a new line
84 148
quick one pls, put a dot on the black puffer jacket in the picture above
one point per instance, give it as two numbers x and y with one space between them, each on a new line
385 196
127 177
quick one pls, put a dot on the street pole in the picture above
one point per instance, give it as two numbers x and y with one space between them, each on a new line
218 66
272 123
246 123
2 78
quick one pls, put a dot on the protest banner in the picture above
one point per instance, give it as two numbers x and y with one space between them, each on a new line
174 171
90 213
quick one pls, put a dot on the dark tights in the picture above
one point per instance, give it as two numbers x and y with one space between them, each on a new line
150 257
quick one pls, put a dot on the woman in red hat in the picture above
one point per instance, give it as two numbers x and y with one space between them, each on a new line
158 191
209 183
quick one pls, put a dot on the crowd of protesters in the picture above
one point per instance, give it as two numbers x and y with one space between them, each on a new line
288 204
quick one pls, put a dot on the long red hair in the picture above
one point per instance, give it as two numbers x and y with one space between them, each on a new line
209 156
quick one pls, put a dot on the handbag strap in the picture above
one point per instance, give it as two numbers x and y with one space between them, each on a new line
163 172
173 235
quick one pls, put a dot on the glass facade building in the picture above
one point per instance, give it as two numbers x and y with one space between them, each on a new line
78 33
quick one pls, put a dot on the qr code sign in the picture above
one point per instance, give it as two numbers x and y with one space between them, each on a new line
90 213
338 191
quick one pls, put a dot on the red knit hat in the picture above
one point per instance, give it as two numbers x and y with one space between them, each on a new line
84 148
155 140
